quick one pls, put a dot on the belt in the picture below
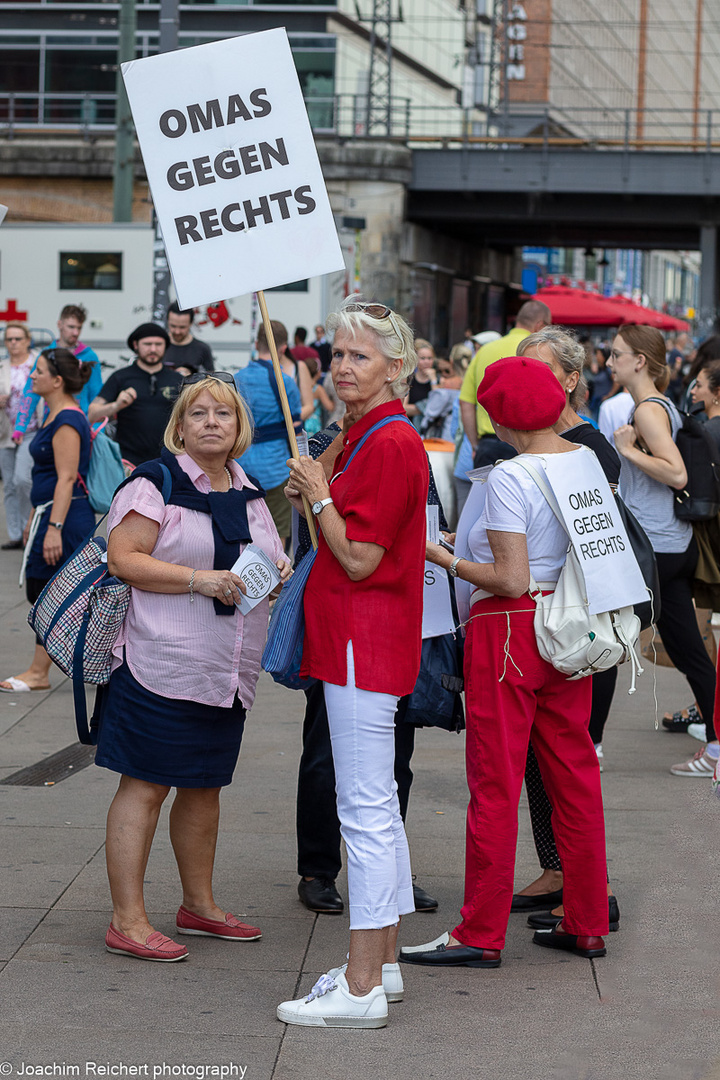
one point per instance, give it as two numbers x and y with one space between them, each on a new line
483 594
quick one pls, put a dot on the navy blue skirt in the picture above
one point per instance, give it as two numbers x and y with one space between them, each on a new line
163 740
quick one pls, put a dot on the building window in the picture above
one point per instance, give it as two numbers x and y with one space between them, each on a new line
90 270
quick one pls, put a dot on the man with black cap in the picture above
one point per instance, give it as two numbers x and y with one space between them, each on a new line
140 396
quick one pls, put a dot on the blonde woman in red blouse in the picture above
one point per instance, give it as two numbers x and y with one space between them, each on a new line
364 591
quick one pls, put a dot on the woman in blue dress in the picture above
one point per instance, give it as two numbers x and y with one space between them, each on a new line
62 516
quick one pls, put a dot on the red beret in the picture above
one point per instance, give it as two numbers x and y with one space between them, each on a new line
521 394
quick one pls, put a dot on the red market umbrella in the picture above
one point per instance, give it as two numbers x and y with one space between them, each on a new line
580 307
642 316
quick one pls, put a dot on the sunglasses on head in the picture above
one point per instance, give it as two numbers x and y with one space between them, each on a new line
201 376
375 311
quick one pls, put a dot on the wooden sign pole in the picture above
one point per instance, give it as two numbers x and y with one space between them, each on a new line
285 406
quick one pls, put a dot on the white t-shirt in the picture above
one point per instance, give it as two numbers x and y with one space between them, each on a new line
614 413
514 503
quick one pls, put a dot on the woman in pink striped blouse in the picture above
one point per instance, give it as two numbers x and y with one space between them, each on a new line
186 663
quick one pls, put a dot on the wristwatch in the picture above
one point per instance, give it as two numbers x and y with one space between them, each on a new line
318 507
56 524
452 568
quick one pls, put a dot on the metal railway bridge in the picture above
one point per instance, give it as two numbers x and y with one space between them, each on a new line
540 191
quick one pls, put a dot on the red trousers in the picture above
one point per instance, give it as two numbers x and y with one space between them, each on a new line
512 695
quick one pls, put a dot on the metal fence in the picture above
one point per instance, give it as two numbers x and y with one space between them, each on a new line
73 112
346 116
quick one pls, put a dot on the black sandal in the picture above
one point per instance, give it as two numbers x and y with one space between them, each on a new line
681 720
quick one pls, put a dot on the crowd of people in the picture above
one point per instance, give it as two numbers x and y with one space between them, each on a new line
394 428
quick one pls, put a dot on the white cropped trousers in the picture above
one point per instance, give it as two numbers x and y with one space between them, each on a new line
362 732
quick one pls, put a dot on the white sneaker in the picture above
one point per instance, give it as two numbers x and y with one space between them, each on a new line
392 982
598 751
428 947
330 1004
697 731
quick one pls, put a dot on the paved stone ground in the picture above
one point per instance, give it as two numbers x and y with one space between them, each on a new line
647 1010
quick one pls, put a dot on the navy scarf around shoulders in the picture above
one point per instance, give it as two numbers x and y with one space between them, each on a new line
228 510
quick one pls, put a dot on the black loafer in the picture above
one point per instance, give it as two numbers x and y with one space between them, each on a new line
589 947
320 895
547 920
423 902
438 954
541 902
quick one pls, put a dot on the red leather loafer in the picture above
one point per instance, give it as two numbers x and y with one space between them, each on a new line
589 947
229 930
156 947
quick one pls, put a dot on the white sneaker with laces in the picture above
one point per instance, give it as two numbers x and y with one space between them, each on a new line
392 981
330 1004
697 731
701 764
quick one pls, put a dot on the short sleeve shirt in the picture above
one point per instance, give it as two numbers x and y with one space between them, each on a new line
267 460
514 503
484 357
141 426
195 355
382 497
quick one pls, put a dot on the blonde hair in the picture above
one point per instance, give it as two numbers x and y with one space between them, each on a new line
18 326
460 357
423 343
393 336
222 392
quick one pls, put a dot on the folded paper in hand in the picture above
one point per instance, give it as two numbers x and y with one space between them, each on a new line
259 575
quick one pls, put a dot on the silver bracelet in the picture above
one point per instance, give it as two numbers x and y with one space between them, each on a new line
190 586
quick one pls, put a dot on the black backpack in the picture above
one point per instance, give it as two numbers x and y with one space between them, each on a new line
699 500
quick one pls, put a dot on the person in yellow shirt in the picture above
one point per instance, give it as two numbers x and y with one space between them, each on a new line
487 448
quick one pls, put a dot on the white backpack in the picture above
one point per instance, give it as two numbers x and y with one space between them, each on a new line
568 636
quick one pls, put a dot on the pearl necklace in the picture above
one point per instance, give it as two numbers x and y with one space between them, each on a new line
229 480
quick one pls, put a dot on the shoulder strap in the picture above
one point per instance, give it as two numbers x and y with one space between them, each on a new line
375 427
549 494
539 478
157 473
658 401
166 483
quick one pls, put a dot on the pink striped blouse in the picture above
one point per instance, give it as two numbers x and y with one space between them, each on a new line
180 649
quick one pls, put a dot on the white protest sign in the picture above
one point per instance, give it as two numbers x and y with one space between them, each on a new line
232 165
612 575
437 612
473 508
432 515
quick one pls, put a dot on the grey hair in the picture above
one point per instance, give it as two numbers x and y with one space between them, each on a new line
394 338
568 352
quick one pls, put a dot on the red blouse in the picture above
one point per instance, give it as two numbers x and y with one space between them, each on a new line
382 497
